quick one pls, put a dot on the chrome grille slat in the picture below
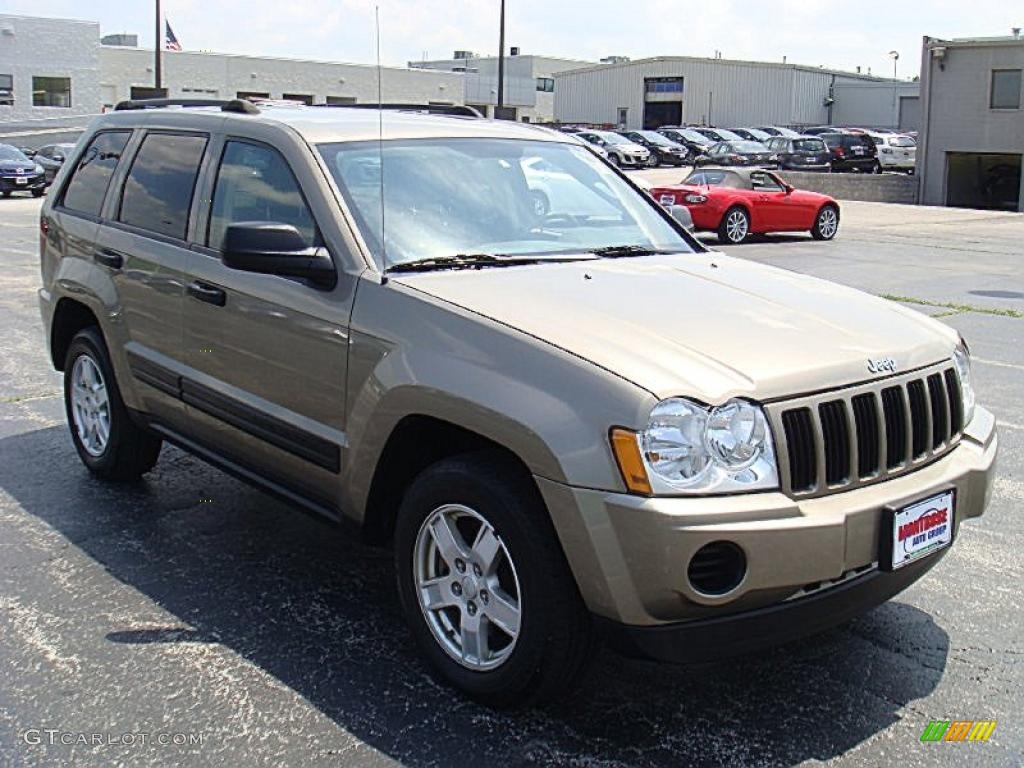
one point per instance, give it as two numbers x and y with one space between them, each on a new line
886 428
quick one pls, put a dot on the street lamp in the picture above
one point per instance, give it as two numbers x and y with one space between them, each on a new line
501 62
157 46
895 57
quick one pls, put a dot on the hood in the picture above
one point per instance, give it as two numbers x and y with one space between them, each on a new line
703 325
14 165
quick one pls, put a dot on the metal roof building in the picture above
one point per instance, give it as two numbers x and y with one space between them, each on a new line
676 90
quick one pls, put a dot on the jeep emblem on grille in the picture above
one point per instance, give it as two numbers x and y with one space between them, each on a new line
882 364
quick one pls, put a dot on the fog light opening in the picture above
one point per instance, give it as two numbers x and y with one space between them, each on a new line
717 568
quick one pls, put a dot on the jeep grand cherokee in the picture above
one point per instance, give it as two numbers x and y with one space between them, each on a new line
565 420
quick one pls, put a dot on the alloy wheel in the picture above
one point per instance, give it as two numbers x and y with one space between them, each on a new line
736 226
469 593
90 405
828 222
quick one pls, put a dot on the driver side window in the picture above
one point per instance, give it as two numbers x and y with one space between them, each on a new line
254 183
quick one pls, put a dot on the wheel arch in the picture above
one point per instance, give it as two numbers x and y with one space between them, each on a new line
69 317
417 441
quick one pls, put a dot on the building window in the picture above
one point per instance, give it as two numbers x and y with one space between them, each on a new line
340 101
6 90
252 95
1005 92
663 85
546 84
51 92
303 98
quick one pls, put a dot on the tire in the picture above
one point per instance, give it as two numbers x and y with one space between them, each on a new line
614 159
876 168
6 193
554 636
735 226
654 162
541 204
128 451
38 192
826 223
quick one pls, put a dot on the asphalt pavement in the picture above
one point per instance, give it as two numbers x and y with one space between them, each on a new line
189 619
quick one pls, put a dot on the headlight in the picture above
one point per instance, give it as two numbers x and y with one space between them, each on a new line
690 448
962 359
39 168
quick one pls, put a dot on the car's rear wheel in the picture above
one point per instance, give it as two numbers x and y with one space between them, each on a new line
109 443
826 223
484 585
735 226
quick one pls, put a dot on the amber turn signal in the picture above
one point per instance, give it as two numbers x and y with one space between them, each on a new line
631 464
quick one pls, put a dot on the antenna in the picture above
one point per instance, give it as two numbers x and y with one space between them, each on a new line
380 138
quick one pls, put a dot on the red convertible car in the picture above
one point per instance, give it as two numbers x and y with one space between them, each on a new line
738 202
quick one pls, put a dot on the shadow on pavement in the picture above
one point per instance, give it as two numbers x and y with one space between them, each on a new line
318 612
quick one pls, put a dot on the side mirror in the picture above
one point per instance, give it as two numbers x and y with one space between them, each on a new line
789 188
682 215
272 248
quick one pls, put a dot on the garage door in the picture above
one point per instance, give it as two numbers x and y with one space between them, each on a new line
983 180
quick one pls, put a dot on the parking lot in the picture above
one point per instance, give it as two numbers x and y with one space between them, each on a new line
195 608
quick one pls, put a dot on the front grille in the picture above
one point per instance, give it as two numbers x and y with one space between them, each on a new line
847 438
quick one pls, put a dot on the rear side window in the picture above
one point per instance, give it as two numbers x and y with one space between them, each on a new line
89 182
255 184
158 191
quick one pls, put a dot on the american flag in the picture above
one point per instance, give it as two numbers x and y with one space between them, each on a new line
170 41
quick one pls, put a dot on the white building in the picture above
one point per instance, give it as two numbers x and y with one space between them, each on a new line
529 82
677 90
49 68
53 69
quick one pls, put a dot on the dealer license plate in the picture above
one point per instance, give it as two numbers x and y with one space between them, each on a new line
21 181
918 530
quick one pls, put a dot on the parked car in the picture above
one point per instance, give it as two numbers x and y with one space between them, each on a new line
820 130
739 202
696 143
774 130
739 152
752 134
692 455
807 153
852 152
896 152
621 151
19 174
717 134
663 150
51 157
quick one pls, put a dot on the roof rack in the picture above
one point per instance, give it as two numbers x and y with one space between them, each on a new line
453 110
234 105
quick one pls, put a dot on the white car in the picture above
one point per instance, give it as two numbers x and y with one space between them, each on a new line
621 151
554 191
896 151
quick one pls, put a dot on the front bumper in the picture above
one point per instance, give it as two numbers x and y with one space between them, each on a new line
10 183
630 554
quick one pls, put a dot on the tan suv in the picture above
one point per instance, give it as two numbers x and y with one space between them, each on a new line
568 420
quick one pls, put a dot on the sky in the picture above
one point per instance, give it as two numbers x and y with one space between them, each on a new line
812 32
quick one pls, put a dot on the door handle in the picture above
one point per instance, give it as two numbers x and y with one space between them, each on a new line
108 258
211 294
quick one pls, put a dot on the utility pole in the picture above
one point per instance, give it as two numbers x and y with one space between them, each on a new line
157 47
501 62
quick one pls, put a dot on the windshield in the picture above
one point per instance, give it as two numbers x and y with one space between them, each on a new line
727 135
10 153
613 138
448 197
746 147
902 141
808 145
657 138
712 178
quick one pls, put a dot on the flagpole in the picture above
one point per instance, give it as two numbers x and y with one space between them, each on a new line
157 46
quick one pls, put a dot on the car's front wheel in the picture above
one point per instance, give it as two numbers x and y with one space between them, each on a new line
484 585
735 226
109 443
826 223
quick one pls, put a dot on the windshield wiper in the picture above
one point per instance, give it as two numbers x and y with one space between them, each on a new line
621 251
473 261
